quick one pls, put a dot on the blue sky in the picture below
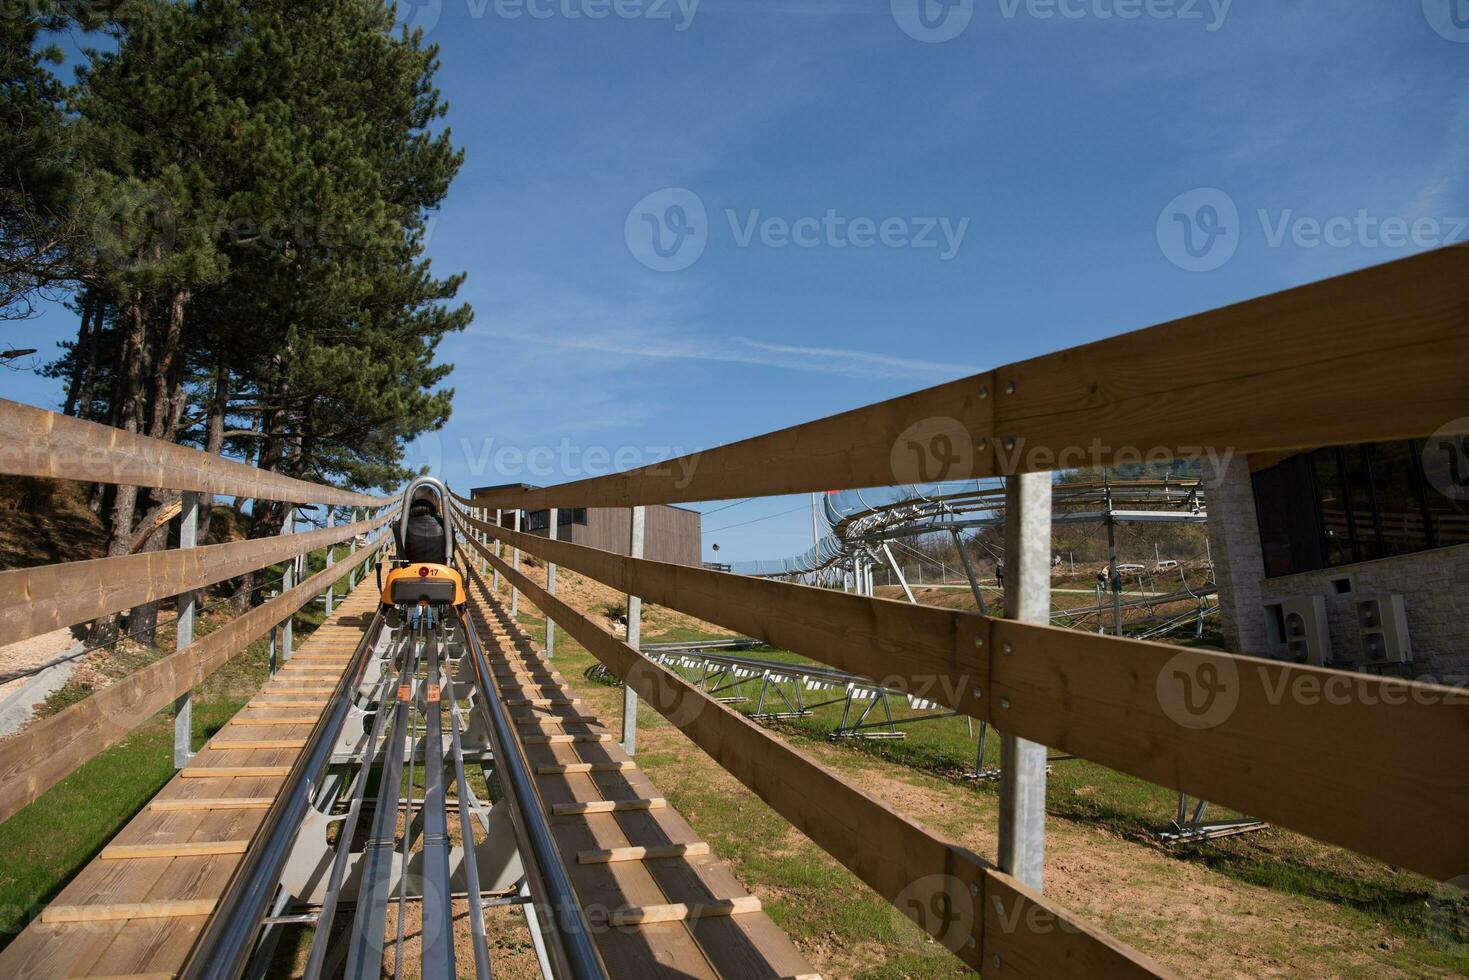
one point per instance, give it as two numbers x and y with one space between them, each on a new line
1030 183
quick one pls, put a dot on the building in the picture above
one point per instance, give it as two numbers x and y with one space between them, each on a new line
1349 556
670 533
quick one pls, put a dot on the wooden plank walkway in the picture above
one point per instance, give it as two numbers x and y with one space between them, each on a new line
659 903
136 909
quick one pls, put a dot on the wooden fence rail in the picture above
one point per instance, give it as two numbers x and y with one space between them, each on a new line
1374 355
43 754
980 914
49 597
35 442
38 443
1294 737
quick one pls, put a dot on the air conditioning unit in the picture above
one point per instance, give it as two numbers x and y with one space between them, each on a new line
1299 629
1382 621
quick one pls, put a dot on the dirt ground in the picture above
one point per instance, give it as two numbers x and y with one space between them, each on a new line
28 655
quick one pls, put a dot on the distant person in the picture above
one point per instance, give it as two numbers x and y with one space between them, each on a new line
424 541
1000 575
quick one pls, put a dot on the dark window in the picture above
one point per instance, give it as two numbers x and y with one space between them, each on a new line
1445 462
539 520
1397 485
1347 504
1364 507
1336 514
1274 525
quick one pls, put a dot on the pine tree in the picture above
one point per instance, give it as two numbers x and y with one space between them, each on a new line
38 232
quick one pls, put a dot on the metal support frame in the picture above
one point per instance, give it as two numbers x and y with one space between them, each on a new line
550 644
1114 580
185 604
969 574
227 938
898 571
1028 599
637 522
1192 826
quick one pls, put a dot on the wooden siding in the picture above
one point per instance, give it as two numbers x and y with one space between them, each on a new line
671 534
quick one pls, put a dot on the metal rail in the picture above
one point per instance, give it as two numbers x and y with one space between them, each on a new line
228 938
438 919
364 955
572 950
466 832
316 959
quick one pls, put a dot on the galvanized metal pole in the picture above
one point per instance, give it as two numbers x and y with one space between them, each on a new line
1027 598
815 536
495 572
331 558
887 550
183 708
515 564
634 634
352 550
550 582
969 572
1114 580
288 579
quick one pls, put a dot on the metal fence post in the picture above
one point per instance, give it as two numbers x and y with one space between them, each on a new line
352 550
495 572
550 582
634 635
331 559
515 564
288 580
1027 598
183 708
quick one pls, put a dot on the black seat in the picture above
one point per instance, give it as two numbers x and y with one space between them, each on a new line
425 540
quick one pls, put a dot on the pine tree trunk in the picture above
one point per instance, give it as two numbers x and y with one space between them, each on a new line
80 355
166 409
214 434
89 374
128 408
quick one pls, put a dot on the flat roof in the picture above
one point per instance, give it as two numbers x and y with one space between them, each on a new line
531 486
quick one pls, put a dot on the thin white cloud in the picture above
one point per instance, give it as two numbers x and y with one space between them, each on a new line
742 350
1446 176
899 364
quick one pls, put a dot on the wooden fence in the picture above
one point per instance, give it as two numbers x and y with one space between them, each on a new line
1374 764
34 442
1371 763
